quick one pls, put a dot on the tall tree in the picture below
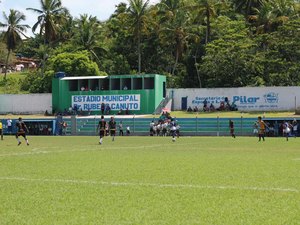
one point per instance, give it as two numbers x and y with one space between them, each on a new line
206 9
87 35
272 14
246 7
51 15
15 30
137 16
174 28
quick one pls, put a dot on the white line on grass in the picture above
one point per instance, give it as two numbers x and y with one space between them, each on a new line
36 151
156 185
24 153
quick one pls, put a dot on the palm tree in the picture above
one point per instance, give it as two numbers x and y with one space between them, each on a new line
283 9
272 14
14 32
51 14
87 34
246 7
206 9
137 15
174 31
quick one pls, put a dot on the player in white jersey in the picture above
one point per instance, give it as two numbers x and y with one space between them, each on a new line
173 129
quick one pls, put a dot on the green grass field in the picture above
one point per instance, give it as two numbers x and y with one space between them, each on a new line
150 180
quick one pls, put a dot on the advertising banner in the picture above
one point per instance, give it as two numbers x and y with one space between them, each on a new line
116 102
245 99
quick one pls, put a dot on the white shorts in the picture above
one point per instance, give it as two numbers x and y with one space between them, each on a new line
286 130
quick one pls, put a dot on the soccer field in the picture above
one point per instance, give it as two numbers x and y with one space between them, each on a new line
150 180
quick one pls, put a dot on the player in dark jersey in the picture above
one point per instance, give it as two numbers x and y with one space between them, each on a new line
112 128
101 129
231 127
21 131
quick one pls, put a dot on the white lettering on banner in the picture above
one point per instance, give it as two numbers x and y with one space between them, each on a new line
267 101
116 102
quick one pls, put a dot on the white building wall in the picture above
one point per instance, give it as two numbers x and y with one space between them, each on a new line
25 103
246 98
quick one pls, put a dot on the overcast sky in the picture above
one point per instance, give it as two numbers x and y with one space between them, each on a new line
100 8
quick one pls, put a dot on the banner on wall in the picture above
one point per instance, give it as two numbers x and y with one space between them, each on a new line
116 102
268 100
247 99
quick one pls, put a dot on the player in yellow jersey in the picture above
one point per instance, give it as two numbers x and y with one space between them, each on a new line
261 129
1 130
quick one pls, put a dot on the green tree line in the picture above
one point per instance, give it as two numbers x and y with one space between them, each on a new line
195 43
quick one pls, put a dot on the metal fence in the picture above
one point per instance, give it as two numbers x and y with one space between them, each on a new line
188 126
196 126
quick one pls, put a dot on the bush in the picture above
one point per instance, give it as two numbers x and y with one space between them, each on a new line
74 64
36 83
10 85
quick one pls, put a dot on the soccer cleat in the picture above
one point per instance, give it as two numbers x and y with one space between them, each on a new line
27 143
19 143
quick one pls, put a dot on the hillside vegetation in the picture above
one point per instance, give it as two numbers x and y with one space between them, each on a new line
204 44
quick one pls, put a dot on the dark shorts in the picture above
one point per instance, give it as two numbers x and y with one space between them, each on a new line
112 132
102 133
23 134
0 131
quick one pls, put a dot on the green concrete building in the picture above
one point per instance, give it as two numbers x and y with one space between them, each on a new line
140 94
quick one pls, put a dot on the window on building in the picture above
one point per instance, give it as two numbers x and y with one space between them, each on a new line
137 83
94 84
149 83
115 84
73 85
126 84
104 84
84 85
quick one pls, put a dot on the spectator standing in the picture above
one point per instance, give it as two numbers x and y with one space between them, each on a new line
9 125
102 108
107 109
128 130
286 129
152 124
295 128
231 127
121 129
64 127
